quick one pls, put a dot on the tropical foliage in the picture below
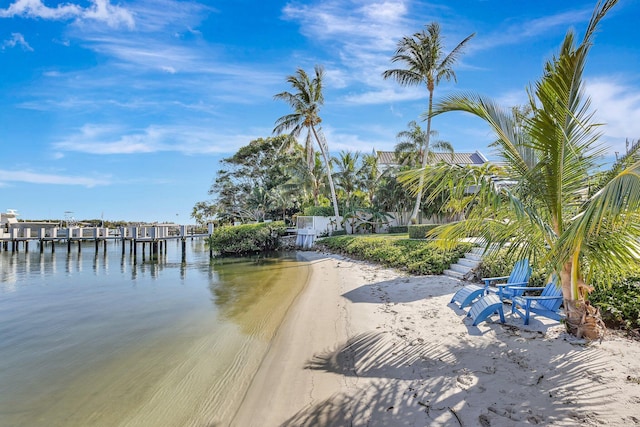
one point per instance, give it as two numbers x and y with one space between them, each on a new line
542 204
251 186
620 303
305 101
425 63
247 238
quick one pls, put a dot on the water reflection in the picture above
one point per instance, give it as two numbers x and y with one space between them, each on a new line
102 339
246 289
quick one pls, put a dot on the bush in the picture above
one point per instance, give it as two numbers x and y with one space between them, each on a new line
619 304
398 229
498 264
339 233
417 257
318 211
248 238
420 231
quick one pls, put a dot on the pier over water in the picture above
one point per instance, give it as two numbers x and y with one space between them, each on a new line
148 237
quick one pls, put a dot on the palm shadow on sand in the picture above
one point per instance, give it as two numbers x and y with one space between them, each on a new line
421 382
403 290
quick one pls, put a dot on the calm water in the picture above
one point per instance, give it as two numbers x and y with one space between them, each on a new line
94 339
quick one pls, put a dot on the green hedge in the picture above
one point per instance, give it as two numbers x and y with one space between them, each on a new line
419 231
417 257
497 264
248 238
319 211
398 229
619 303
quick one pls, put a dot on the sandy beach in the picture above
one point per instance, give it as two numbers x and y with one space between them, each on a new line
368 346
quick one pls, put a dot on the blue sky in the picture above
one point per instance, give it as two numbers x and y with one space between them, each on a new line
123 109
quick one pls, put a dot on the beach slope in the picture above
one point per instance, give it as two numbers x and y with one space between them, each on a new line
369 346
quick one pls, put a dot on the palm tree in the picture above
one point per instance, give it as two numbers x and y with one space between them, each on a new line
412 149
412 146
426 63
346 175
370 176
311 179
548 213
306 101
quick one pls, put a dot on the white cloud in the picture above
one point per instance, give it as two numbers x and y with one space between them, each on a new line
617 106
362 34
527 29
46 178
16 39
36 9
342 141
386 95
99 10
113 16
184 139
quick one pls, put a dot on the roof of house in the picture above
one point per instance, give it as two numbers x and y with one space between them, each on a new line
475 158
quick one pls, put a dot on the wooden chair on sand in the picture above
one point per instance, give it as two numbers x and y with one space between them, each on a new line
512 285
547 304
519 277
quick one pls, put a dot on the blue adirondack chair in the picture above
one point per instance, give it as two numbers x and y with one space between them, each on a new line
519 277
547 304
467 294
507 287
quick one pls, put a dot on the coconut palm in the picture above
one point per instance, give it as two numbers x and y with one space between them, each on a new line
346 175
306 101
412 146
547 211
426 63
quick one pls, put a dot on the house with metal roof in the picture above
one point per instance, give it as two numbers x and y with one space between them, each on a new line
387 159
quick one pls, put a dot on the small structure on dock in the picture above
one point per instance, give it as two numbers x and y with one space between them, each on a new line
308 228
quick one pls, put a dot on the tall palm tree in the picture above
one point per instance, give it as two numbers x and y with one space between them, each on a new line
306 101
425 63
548 213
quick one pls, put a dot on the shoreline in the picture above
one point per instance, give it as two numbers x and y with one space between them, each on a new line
367 345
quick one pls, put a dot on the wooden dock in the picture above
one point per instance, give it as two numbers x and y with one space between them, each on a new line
155 237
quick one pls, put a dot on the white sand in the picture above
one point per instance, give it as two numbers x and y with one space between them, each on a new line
369 346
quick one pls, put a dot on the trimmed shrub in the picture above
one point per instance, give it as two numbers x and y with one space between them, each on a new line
398 229
248 238
419 231
417 257
318 211
339 233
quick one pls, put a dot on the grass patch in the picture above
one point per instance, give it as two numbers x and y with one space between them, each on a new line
396 251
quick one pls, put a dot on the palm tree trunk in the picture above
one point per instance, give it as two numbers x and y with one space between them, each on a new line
329 177
582 319
425 159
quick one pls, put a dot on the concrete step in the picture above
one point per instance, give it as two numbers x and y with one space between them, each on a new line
479 252
460 268
454 274
469 262
472 256
465 264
